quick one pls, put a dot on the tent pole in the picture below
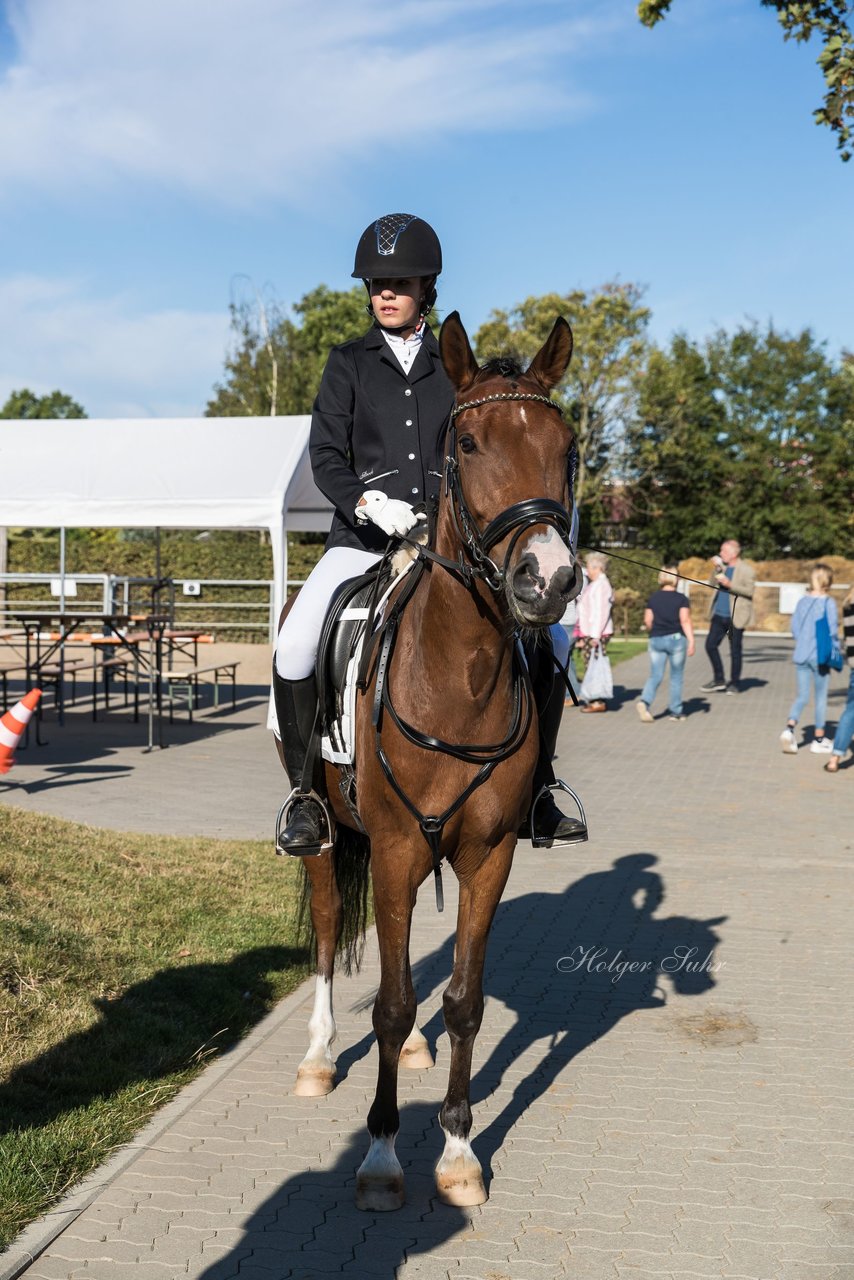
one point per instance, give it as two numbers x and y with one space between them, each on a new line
280 573
62 570
60 685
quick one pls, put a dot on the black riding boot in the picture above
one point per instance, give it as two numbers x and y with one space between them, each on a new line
307 830
545 825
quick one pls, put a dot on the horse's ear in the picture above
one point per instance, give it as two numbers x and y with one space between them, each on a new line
549 364
455 350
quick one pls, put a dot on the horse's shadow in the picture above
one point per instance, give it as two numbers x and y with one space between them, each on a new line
569 966
548 966
309 1227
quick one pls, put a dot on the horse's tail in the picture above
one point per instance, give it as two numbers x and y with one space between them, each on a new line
352 854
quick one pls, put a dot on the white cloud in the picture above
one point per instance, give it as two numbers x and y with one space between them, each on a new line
256 100
113 359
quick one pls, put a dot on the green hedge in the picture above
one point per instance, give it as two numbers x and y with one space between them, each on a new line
183 554
240 555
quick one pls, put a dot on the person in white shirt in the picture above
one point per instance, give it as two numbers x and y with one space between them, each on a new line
595 603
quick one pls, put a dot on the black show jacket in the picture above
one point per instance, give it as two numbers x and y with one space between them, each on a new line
375 427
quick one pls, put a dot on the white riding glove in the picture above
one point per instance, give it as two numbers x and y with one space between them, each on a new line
394 517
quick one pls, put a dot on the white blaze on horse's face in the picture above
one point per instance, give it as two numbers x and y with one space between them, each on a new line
545 578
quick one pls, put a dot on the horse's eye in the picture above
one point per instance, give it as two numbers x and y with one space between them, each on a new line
467 444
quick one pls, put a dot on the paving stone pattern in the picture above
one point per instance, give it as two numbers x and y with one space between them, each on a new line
688 1117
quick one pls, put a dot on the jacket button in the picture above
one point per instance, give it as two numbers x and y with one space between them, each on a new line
408 391
412 457
408 422
414 490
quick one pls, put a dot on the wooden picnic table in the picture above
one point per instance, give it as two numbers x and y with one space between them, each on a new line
113 636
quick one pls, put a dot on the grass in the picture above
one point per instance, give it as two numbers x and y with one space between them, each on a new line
126 963
620 650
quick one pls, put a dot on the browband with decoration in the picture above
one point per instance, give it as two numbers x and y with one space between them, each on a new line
474 404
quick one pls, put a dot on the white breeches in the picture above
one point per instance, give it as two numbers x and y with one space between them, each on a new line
296 648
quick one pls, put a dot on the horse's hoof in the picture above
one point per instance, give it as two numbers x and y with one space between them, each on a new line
314 1084
461 1190
419 1058
379 1195
459 1177
379 1180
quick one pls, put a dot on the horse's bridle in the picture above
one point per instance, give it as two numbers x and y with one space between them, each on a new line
515 519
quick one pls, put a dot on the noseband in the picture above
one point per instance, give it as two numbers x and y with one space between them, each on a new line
515 519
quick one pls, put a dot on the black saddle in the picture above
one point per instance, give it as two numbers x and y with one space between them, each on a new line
338 641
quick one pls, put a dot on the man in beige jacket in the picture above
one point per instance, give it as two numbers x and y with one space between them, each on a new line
730 612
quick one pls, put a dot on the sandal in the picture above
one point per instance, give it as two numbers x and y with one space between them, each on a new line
832 765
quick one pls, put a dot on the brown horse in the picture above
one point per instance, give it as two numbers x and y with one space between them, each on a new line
447 738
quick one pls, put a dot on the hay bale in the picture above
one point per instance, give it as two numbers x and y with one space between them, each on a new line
777 622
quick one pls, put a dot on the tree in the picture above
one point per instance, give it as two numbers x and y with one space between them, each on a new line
275 363
750 436
800 20
680 467
609 330
774 390
26 404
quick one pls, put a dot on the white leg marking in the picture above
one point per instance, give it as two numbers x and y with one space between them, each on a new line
459 1177
379 1182
316 1072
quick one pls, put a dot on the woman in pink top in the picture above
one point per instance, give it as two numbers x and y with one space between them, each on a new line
594 627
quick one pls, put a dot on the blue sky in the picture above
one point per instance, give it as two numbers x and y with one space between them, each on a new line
157 158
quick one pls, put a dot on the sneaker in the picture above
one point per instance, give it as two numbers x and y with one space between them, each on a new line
732 688
643 711
714 686
787 738
673 717
821 746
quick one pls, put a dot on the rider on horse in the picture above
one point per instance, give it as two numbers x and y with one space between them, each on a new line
377 443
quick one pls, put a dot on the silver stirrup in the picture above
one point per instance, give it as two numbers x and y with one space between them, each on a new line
545 842
283 818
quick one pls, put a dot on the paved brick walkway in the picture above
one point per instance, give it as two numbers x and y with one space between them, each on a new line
692 1123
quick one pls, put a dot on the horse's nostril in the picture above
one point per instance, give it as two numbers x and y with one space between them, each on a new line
563 580
526 577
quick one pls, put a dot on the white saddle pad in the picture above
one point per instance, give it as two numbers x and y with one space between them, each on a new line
342 750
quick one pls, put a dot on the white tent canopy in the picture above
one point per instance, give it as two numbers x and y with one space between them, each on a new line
190 473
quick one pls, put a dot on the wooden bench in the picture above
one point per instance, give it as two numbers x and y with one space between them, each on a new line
46 674
50 672
185 681
124 665
7 673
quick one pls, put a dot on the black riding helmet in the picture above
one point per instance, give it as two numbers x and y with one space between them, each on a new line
399 244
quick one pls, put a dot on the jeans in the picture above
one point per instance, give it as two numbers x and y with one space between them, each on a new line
718 627
845 728
807 675
674 647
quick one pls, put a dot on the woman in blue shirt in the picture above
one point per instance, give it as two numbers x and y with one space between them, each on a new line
809 676
667 618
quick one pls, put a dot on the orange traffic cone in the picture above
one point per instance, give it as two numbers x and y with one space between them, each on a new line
13 725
